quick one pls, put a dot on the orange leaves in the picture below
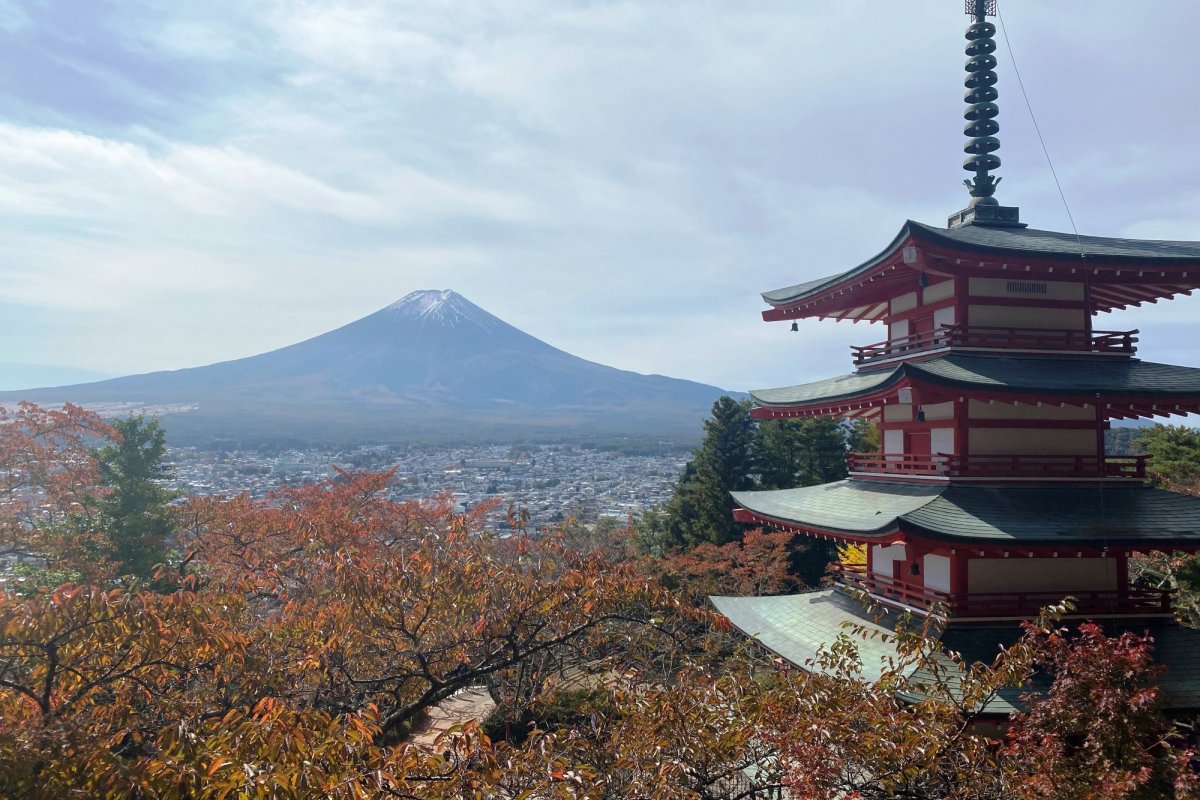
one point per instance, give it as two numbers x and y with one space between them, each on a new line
48 476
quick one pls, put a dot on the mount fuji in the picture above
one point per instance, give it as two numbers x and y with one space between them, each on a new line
431 366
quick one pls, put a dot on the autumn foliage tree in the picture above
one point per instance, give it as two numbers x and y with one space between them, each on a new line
49 489
297 642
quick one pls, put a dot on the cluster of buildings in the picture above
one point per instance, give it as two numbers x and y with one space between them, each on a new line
551 482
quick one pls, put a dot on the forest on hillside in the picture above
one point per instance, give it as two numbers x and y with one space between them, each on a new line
154 646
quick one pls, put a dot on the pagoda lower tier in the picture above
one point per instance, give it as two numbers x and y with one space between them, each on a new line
799 627
990 553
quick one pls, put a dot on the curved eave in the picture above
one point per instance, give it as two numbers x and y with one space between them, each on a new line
832 396
884 535
1051 518
1121 272
845 510
1129 388
873 283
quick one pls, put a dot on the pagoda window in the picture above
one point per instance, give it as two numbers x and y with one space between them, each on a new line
1048 290
1025 304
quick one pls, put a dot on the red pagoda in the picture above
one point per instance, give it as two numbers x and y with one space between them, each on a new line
992 495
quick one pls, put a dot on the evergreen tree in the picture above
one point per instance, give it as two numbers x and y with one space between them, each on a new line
135 512
799 452
701 509
862 436
1174 452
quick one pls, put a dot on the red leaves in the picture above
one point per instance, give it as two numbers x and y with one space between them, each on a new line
1098 731
757 565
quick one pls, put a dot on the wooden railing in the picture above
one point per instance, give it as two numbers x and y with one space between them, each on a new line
1046 466
897 463
999 466
1133 600
999 338
1128 600
887 589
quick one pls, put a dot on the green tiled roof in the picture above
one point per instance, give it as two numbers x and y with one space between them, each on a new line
1054 515
1108 378
1086 376
1129 514
1017 241
854 506
1032 242
795 627
857 383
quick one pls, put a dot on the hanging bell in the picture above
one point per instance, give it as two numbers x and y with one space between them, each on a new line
795 327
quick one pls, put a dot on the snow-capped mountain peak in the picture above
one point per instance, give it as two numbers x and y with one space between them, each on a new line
441 306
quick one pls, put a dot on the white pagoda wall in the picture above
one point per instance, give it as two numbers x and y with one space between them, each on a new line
883 557
937 572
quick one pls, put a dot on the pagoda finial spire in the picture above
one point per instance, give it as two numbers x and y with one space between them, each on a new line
981 127
981 103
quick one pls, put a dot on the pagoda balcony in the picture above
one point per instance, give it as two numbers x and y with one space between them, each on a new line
946 465
1129 601
1104 342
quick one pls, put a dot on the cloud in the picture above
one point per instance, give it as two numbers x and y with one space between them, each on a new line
619 178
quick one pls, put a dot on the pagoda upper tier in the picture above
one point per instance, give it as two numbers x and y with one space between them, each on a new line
990 282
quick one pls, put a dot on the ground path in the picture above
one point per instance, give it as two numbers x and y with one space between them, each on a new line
471 703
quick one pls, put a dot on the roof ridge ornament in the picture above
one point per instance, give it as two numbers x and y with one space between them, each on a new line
982 127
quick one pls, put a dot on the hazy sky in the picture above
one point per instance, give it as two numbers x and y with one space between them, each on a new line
183 182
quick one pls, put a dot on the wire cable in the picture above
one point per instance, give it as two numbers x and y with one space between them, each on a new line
1037 129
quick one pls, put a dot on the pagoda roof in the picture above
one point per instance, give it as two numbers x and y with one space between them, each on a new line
1088 516
1076 377
797 627
944 248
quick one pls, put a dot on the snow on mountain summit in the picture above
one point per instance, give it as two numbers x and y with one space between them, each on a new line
441 306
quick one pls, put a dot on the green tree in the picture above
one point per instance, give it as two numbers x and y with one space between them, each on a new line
135 512
1174 452
862 436
701 510
799 452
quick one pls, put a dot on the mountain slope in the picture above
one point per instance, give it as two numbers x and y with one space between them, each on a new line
432 362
